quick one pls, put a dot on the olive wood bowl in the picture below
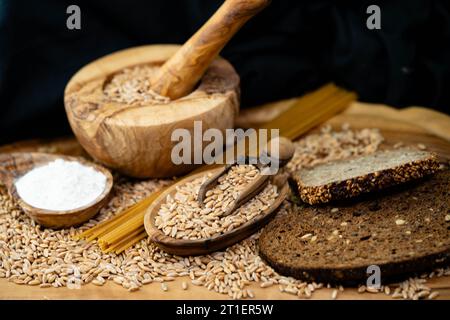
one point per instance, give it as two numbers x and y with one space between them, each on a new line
15 165
183 247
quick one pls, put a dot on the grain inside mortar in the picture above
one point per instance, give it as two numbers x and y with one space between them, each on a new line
32 255
133 86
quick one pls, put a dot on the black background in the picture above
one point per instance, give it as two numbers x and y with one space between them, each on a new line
282 309
290 48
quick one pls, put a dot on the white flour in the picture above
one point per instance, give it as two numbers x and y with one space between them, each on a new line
61 185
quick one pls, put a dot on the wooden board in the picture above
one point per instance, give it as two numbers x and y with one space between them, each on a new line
153 292
411 126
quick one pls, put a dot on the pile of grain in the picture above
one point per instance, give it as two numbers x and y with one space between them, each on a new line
412 288
331 145
182 216
132 86
32 255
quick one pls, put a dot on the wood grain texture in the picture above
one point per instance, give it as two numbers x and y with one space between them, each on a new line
136 140
179 75
359 115
15 165
153 291
204 246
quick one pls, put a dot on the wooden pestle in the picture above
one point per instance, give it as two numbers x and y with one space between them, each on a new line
179 75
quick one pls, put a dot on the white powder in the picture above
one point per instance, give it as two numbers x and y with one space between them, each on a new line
61 185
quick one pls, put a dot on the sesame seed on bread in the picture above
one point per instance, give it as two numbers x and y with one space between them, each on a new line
351 177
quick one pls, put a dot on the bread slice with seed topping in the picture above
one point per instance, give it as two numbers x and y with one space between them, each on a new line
402 230
350 177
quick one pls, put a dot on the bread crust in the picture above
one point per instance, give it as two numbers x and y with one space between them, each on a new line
404 231
374 181
390 272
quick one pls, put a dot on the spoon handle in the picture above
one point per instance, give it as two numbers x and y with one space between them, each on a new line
286 152
211 182
179 75
255 187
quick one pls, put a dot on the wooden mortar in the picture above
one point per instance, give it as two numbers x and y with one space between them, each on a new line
136 139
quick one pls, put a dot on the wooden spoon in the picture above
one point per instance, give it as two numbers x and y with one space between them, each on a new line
183 247
285 154
15 165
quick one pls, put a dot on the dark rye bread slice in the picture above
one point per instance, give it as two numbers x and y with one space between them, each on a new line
350 177
402 231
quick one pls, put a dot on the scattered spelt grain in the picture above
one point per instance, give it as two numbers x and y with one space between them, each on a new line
182 217
55 258
334 294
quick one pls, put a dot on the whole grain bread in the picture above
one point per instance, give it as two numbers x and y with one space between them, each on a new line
350 177
403 231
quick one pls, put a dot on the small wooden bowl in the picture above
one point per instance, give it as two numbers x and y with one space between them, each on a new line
204 246
15 165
